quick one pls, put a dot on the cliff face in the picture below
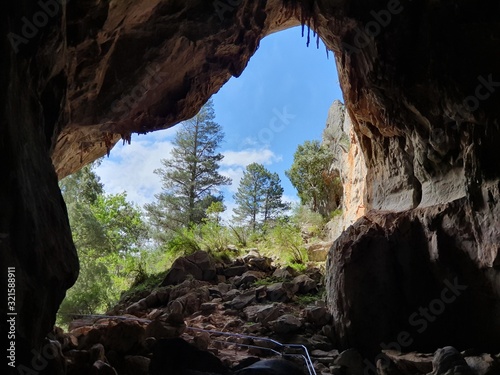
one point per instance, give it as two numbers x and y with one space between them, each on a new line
348 159
421 85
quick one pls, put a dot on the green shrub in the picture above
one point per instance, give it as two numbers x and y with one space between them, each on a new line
183 242
285 241
268 281
335 213
214 237
308 220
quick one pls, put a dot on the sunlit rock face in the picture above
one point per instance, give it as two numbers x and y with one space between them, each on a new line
420 83
348 159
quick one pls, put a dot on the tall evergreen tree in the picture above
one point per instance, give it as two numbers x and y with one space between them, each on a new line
273 203
259 196
190 177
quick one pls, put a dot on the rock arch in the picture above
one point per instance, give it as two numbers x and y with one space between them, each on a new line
420 81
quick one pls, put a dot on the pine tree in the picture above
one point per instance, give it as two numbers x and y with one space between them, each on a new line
273 204
259 196
190 176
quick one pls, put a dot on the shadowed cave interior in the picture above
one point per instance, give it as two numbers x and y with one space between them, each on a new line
420 81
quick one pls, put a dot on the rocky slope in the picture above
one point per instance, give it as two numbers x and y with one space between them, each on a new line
420 83
231 309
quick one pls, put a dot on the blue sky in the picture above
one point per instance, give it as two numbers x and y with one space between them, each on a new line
279 101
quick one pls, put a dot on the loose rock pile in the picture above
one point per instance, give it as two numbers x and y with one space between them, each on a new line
248 296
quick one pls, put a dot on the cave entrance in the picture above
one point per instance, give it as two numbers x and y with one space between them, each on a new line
281 99
276 104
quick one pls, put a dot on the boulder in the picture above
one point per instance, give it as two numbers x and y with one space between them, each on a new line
284 273
260 263
319 316
248 278
102 368
483 364
235 271
137 365
286 324
124 336
161 329
318 251
200 265
263 313
351 361
410 362
242 300
271 367
281 292
449 361
304 284
173 356
208 307
97 352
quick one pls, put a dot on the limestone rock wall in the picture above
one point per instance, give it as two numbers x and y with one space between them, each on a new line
349 160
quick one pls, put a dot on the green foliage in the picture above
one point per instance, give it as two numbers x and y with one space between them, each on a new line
148 283
308 299
299 267
310 174
259 196
268 281
241 235
183 242
285 240
214 237
82 186
214 211
190 176
335 213
309 221
120 222
108 233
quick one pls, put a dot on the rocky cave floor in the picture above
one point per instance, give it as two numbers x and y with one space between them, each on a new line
250 298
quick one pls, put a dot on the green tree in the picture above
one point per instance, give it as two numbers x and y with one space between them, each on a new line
310 174
190 176
83 186
108 233
259 196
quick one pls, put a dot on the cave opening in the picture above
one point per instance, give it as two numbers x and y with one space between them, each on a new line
426 126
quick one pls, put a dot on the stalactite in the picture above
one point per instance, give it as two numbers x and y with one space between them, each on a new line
127 137
108 142
308 35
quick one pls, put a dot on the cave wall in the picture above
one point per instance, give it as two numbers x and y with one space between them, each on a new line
421 91
35 237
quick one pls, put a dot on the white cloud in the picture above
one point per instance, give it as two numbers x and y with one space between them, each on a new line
290 199
227 216
248 156
131 168
235 175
